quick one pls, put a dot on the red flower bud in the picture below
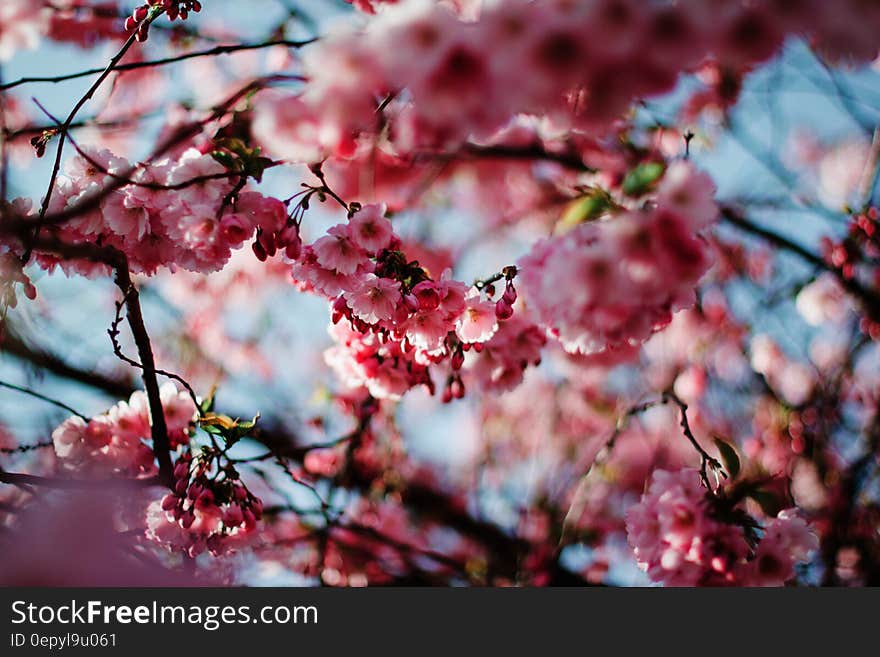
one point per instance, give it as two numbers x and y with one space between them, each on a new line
503 310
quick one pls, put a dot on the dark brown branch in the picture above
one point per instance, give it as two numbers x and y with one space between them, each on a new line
870 299
211 52
23 449
115 387
37 395
706 459
20 479
569 160
158 428
113 331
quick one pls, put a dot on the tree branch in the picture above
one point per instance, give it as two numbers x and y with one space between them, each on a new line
217 50
37 395
56 166
158 428
60 483
869 299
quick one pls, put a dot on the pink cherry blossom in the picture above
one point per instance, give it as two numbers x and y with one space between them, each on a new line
374 299
478 322
370 229
337 251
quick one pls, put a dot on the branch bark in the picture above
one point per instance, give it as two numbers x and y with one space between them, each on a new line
869 299
158 427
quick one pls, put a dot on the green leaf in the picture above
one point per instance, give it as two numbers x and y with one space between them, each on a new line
257 166
233 144
224 158
207 404
584 208
244 428
642 178
728 456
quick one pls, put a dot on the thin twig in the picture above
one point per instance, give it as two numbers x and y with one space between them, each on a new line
56 166
218 50
113 332
706 459
37 395
17 226
20 479
158 427
22 449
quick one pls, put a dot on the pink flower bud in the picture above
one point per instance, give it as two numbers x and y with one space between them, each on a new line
503 310
267 241
169 502
509 294
181 469
250 521
187 519
293 250
340 310
194 491
205 500
259 251
232 516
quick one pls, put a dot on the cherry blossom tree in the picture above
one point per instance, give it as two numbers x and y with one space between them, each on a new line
449 292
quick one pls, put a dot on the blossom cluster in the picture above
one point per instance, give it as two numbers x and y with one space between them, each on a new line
114 442
679 541
174 9
82 22
855 258
503 360
612 283
457 75
391 320
180 212
203 512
